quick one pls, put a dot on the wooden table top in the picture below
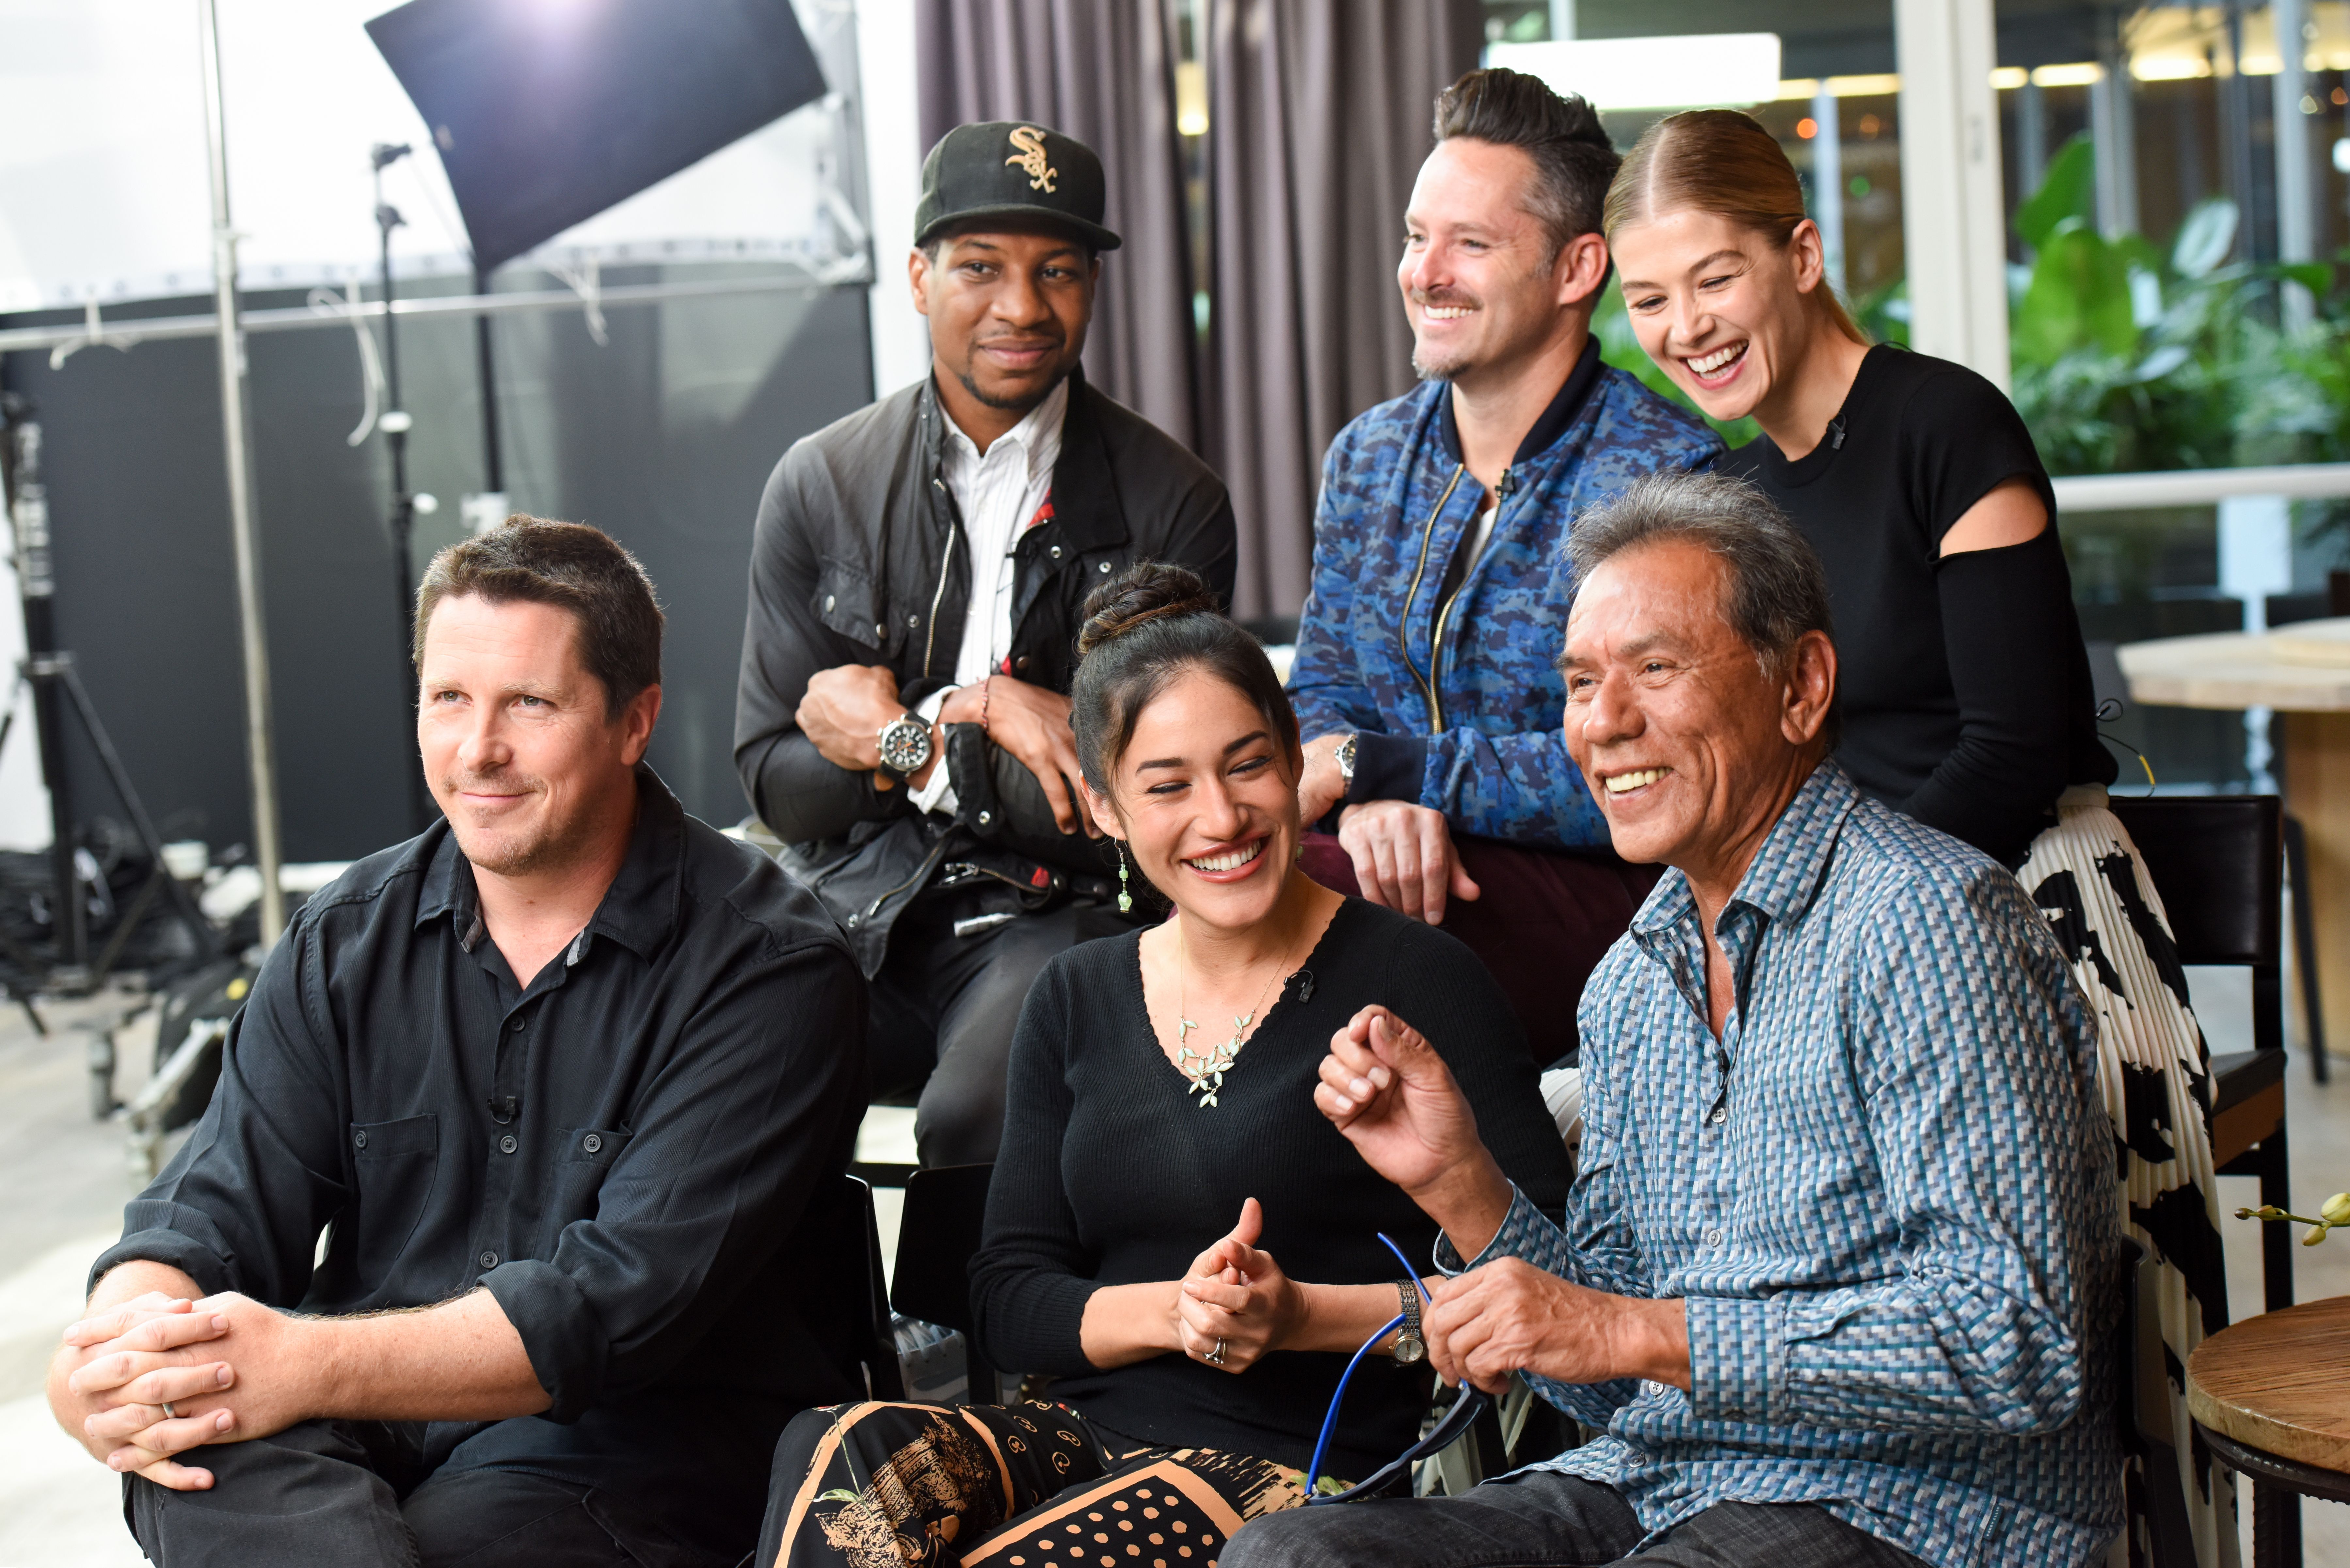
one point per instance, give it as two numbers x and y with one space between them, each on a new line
2280 1382
2301 668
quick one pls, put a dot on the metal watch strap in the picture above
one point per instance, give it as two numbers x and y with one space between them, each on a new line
1345 757
1409 1346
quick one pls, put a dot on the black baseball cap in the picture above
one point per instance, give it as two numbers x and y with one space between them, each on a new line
1013 169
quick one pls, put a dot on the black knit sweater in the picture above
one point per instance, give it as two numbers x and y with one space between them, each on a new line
1111 1173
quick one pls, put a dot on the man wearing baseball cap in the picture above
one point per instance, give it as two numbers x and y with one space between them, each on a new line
903 720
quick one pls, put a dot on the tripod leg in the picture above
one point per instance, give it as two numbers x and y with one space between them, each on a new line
128 923
207 941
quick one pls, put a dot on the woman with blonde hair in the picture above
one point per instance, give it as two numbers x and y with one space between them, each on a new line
1963 683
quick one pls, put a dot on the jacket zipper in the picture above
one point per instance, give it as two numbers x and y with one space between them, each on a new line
1444 615
1403 629
946 565
929 863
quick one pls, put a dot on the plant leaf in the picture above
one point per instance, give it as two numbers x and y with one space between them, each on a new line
2205 238
2068 191
2314 276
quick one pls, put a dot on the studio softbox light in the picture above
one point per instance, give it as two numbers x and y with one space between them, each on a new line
545 112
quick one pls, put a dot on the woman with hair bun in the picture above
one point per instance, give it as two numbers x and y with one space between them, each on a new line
1165 1188
1963 684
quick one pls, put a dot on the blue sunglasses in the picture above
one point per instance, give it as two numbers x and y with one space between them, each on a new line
1464 1412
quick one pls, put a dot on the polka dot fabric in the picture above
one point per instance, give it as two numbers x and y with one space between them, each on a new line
1030 1486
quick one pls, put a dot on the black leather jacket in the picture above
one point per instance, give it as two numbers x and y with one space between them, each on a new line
860 558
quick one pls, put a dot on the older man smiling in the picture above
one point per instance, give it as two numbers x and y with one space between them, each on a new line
1835 1265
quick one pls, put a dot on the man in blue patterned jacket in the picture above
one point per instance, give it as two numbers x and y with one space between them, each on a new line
1836 1274
1425 679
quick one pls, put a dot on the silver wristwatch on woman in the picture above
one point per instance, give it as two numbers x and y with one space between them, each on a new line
1409 1346
1345 757
905 743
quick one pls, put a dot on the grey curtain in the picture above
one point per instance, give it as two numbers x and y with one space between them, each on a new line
1318 120
1104 72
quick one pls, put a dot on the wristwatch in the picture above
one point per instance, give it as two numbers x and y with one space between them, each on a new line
1408 1345
1345 757
905 744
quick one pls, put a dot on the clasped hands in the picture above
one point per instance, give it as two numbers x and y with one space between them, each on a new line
1388 1090
1236 1295
844 711
122 1365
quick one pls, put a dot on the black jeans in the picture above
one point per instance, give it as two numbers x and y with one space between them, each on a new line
353 1493
943 1009
1537 1519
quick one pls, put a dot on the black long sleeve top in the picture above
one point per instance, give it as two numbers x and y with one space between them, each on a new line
1962 680
619 1152
1112 1173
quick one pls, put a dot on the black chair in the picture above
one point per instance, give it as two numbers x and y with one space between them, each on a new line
841 1225
2218 862
939 1234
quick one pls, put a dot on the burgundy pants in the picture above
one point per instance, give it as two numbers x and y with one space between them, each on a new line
1545 918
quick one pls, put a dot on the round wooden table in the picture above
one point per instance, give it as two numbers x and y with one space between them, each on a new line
2302 672
2271 1396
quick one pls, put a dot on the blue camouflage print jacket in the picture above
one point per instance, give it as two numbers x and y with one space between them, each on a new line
1456 694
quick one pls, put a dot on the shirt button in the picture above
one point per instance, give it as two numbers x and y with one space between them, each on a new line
1713 1237
358 1138
507 1144
488 1260
1719 1114
913 621
1105 566
879 630
828 602
1056 552
592 1142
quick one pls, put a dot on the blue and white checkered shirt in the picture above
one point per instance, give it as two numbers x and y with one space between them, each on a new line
1887 1194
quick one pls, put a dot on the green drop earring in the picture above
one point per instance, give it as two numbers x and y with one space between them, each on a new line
1125 899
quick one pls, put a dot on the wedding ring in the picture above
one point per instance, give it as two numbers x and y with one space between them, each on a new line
1216 1356
170 1414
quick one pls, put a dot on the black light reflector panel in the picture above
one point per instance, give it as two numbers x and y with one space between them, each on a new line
545 112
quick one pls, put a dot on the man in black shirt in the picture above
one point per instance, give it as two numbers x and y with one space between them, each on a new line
916 583
555 1081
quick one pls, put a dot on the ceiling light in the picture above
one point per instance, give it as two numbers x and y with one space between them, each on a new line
1693 70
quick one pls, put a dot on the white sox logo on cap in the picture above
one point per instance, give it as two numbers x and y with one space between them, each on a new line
1030 157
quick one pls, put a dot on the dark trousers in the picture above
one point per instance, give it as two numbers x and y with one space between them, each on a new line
943 1009
1544 920
1537 1519
355 1493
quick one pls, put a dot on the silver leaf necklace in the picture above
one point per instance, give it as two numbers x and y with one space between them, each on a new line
1208 1077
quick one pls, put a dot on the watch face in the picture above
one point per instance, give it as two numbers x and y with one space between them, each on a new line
904 746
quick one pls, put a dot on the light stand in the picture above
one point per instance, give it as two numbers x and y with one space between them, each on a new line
395 424
49 670
253 629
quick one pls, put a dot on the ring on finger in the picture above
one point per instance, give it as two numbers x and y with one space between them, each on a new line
1216 1356
170 1414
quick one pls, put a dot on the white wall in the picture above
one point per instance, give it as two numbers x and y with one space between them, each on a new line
893 159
